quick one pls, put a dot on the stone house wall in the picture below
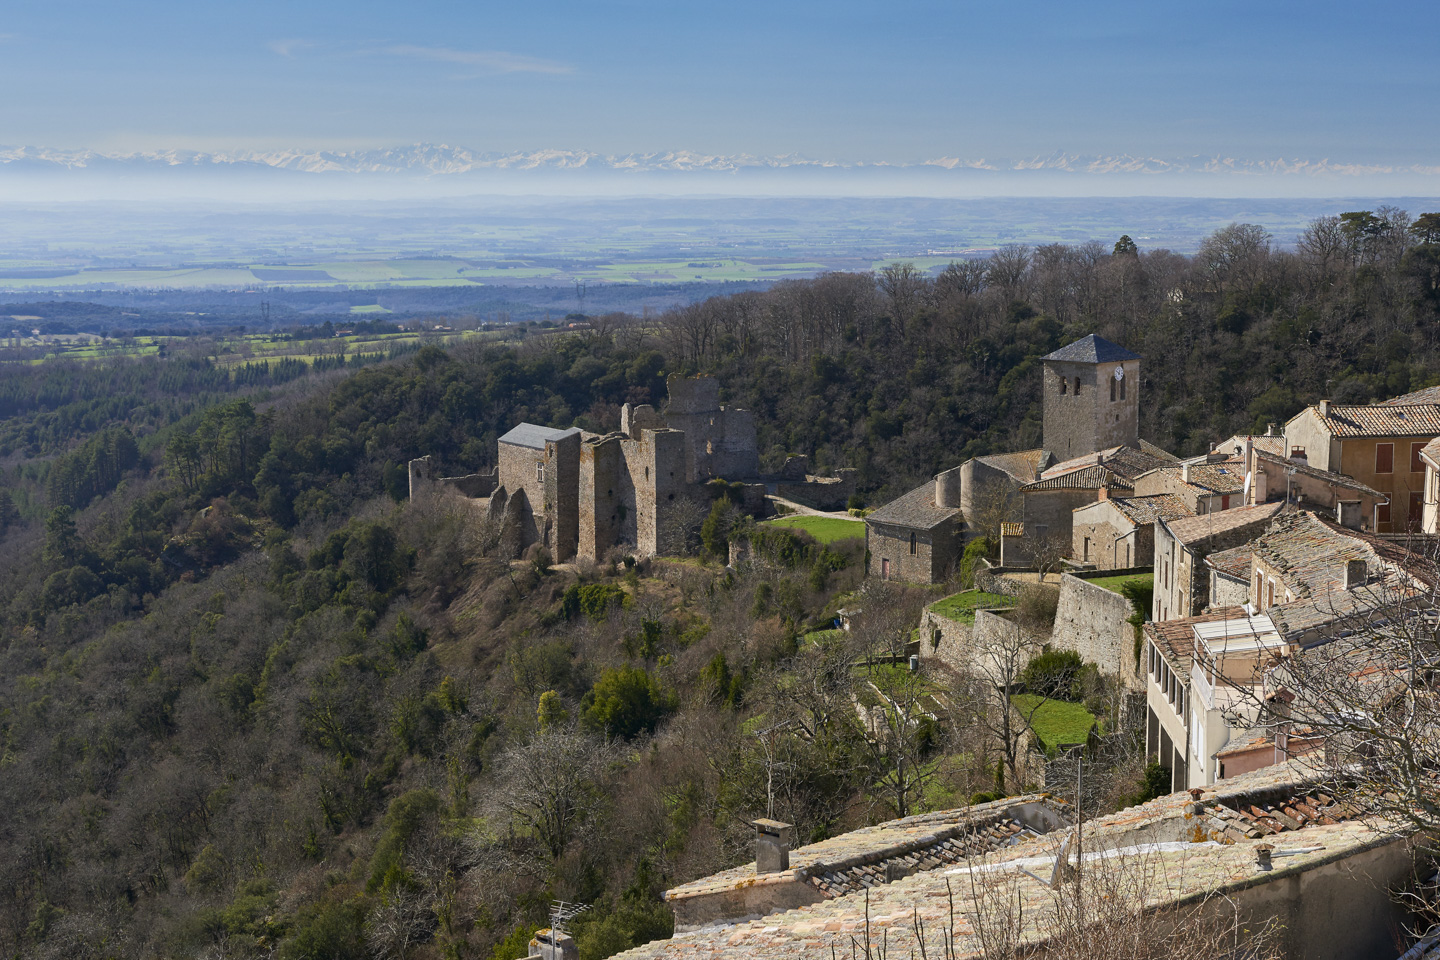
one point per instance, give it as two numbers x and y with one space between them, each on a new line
937 552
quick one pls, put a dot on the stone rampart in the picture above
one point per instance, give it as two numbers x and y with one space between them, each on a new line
1093 622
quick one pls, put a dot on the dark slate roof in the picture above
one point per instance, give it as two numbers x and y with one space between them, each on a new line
533 436
1092 349
915 510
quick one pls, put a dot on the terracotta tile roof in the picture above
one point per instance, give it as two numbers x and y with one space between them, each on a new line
1223 476
1309 555
1024 466
1390 420
859 859
1092 349
1146 510
1247 744
1423 395
1191 530
1012 529
1234 562
915 510
1176 638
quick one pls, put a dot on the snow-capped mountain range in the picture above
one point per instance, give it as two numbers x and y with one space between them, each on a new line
429 160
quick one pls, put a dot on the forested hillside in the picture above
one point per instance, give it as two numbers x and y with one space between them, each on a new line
253 703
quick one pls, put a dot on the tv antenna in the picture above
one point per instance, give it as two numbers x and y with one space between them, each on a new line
562 912
265 311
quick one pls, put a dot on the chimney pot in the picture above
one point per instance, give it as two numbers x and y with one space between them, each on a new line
1262 856
1355 574
1185 472
772 846
1269 429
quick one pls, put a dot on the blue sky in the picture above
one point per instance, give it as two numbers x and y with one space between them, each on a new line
851 81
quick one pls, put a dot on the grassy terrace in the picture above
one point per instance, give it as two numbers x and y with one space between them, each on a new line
961 607
1114 584
1055 721
824 529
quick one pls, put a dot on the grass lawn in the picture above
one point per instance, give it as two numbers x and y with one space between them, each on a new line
961 607
1056 721
824 529
1114 584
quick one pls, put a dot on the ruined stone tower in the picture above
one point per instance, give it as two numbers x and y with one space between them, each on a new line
1092 398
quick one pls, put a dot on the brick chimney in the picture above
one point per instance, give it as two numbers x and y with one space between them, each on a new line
772 846
1104 492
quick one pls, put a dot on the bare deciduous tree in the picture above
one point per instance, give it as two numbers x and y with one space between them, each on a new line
548 787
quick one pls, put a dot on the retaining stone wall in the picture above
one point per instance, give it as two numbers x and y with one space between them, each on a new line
1092 621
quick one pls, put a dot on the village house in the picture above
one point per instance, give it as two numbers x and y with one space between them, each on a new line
1116 533
1430 516
1202 675
1205 484
1182 581
1277 477
1378 445
916 537
1307 581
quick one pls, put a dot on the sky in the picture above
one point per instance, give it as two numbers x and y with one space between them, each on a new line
901 81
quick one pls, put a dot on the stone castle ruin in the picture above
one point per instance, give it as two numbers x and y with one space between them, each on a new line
581 493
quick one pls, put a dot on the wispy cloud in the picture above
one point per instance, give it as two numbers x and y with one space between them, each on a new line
494 61
288 47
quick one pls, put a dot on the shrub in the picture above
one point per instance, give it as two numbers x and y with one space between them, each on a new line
974 551
1054 674
594 600
328 931
1154 782
626 702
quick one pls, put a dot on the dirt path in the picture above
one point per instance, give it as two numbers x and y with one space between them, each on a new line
799 509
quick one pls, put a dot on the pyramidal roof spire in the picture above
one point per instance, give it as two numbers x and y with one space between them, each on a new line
1092 349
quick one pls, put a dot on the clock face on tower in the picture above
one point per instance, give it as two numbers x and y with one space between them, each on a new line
1119 373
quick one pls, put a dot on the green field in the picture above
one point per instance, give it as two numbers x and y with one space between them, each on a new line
234 350
1055 721
400 272
961 607
824 529
1114 584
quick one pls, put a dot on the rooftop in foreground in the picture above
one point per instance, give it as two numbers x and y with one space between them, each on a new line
1187 855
